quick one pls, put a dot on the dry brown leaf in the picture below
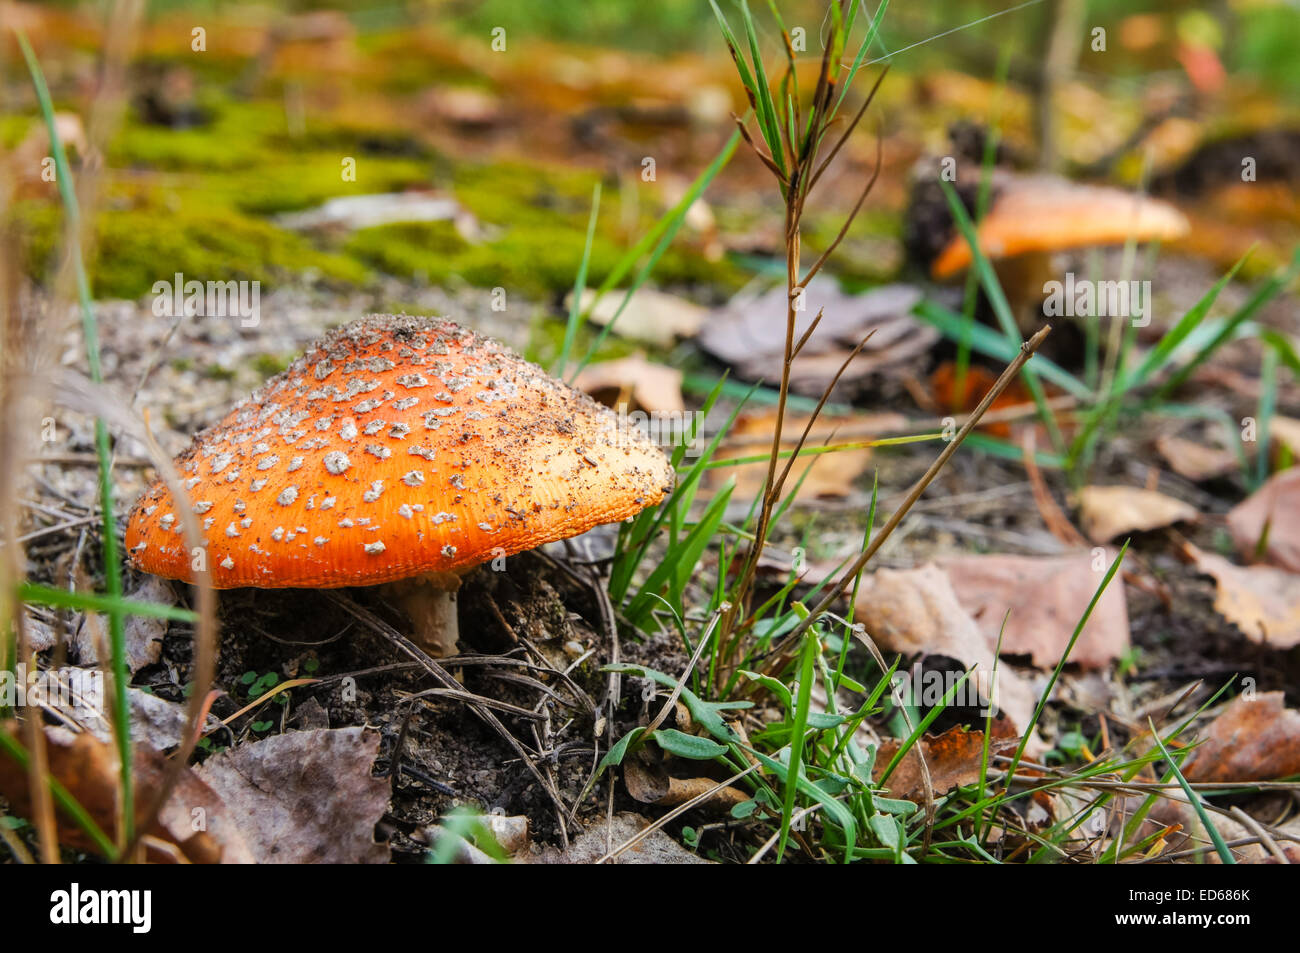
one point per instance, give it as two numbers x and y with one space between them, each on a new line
156 722
144 634
1109 511
1261 601
646 780
749 333
1195 461
1047 596
636 381
954 759
650 783
306 796
916 611
194 819
40 635
651 316
1275 506
1256 738
681 790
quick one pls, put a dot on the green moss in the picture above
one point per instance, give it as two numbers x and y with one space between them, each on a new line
402 62
536 222
665 24
206 217
527 262
269 365
369 139
315 178
219 372
218 244
408 249
35 227
238 137
510 192
136 247
14 129
255 164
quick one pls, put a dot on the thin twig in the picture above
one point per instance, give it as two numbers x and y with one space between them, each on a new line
808 333
849 131
844 229
758 151
1258 830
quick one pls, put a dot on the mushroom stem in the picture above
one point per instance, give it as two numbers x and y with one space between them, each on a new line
429 601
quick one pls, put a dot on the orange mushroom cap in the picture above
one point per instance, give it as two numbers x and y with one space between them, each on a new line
1045 213
394 447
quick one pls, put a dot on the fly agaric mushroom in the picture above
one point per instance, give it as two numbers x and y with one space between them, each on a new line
1030 219
397 450
1043 214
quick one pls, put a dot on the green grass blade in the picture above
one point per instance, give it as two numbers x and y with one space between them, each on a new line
1284 346
753 89
576 314
1261 297
1220 846
90 332
1006 450
656 241
1163 351
769 120
988 733
802 704
94 602
982 198
681 560
861 56
921 725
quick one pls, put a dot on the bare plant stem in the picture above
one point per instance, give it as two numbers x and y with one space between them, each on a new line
771 486
793 160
